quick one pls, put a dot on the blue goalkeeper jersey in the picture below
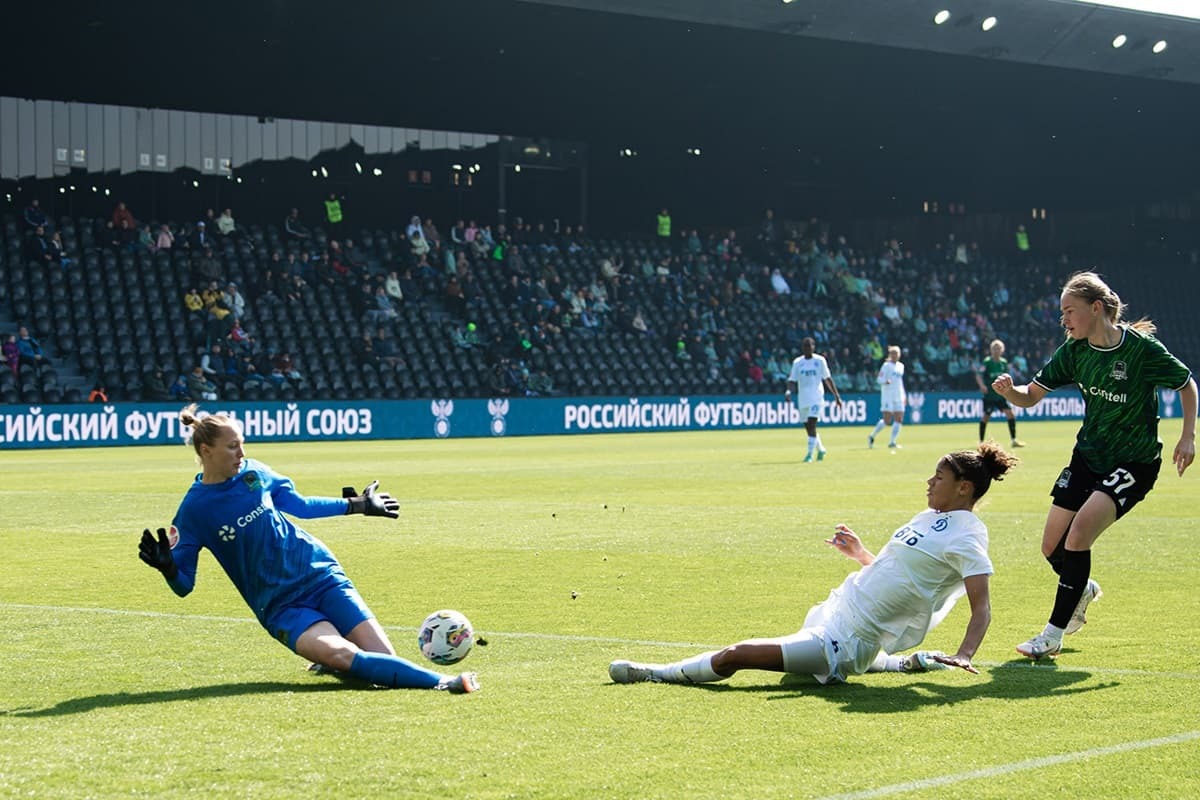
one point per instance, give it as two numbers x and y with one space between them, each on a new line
241 521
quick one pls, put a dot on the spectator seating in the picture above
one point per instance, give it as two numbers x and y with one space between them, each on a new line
114 313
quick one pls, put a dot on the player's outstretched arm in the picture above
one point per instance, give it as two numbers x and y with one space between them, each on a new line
157 552
979 596
371 503
1024 396
848 544
1185 451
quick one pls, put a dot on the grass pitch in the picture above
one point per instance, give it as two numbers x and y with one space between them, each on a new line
568 552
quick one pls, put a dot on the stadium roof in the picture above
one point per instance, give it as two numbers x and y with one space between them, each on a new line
825 93
1072 34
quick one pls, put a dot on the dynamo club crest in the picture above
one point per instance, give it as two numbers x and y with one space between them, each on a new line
442 409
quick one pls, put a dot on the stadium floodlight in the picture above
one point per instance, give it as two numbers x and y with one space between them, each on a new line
1120 40
1185 9
988 23
324 172
940 17
358 167
1160 45
377 172
516 168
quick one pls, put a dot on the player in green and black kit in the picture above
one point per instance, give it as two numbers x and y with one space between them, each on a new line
1118 368
993 367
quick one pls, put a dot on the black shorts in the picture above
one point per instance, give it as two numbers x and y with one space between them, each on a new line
991 404
1127 484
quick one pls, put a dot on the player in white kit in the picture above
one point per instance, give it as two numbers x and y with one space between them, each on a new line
809 379
887 606
891 397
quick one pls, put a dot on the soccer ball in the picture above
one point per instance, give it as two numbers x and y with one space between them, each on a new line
446 637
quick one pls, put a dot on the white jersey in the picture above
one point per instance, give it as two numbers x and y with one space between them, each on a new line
809 375
913 583
891 385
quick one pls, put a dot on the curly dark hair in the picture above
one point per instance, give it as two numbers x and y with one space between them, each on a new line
986 463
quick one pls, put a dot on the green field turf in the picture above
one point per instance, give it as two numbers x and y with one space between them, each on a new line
568 552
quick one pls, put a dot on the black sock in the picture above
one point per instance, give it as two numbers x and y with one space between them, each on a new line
1056 558
1012 428
1076 568
982 429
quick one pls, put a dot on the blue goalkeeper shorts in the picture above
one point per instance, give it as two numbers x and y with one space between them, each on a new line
337 602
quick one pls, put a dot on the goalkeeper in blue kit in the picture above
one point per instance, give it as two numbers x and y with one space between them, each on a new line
290 579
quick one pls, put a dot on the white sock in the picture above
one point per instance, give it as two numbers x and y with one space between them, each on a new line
885 663
697 669
820 446
895 431
812 443
1053 632
878 428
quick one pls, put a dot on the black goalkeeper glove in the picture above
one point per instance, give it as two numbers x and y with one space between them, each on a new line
370 503
157 553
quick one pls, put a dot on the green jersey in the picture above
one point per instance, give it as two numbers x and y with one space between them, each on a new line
1119 386
991 369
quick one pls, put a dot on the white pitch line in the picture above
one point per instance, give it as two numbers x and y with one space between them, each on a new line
561 637
1017 766
566 637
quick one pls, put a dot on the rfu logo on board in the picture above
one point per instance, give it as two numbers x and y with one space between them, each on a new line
442 409
498 408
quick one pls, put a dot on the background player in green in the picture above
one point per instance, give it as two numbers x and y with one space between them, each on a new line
993 367
1118 368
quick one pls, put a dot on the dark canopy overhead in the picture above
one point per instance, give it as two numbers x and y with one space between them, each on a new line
829 94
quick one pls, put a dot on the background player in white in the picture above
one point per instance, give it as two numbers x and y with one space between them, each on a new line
809 380
887 606
891 397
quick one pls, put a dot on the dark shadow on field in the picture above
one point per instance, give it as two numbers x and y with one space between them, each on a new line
877 694
80 705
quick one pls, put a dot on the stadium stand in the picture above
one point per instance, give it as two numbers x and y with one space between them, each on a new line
520 312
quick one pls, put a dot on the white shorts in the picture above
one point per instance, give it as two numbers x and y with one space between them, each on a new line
892 403
813 411
845 653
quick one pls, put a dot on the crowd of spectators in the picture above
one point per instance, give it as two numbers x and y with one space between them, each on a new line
724 305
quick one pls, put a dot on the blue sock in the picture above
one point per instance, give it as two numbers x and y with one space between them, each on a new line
382 669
